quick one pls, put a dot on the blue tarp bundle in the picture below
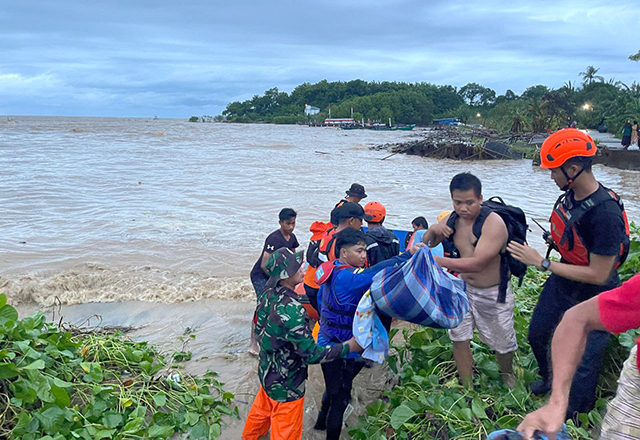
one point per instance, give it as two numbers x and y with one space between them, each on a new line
421 292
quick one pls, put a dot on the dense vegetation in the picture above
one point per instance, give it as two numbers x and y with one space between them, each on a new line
429 403
57 384
595 103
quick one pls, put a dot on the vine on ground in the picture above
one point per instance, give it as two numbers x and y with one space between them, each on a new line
57 385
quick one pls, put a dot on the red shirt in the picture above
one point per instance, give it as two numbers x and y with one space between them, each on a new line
620 309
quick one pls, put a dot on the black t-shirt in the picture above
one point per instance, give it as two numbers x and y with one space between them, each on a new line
602 230
274 241
334 212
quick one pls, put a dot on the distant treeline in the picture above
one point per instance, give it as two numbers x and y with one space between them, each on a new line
595 103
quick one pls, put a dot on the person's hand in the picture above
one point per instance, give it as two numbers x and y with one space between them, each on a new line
353 344
441 230
548 420
525 253
416 247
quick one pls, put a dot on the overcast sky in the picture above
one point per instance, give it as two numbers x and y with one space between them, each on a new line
192 57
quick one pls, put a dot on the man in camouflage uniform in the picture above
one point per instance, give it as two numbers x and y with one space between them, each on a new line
286 348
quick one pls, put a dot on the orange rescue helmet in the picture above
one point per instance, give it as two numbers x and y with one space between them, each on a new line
443 214
376 210
565 144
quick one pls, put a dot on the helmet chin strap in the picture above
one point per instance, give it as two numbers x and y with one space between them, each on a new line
570 180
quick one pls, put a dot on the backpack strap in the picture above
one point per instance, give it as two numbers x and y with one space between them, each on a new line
479 223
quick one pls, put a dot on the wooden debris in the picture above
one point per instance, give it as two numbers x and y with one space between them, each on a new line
461 143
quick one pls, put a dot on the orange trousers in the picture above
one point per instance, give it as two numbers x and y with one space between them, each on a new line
284 418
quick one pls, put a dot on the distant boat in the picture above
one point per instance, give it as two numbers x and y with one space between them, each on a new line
378 127
352 127
404 127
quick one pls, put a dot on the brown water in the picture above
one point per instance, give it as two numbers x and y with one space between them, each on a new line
118 215
110 209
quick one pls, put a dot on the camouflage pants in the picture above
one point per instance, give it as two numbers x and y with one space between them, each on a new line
622 421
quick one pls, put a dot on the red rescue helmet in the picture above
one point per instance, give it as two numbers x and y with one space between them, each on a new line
376 210
565 144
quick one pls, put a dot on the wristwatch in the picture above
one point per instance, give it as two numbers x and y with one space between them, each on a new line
546 263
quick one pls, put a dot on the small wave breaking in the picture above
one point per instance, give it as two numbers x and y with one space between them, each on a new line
86 283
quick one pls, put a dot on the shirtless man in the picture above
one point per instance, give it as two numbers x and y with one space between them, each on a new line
479 267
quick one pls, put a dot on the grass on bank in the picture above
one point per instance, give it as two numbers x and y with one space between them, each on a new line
57 384
427 402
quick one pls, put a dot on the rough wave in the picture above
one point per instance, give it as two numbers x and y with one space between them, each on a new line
95 283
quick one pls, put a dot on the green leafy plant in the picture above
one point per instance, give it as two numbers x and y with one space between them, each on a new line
57 384
428 402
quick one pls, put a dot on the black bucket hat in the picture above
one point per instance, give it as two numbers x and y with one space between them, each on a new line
357 190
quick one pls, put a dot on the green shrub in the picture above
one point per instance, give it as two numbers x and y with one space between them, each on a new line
58 385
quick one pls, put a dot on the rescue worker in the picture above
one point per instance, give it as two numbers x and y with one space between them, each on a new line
589 228
343 282
286 348
354 194
382 244
348 215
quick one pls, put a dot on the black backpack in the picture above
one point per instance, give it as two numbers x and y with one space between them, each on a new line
516 223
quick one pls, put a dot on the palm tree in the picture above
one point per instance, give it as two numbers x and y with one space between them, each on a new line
589 75
518 121
569 86
635 56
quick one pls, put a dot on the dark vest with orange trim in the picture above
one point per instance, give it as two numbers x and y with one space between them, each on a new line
564 232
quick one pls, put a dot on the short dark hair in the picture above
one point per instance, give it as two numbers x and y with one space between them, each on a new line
583 162
347 238
420 221
465 182
286 214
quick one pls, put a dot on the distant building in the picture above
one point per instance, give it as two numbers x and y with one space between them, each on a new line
310 110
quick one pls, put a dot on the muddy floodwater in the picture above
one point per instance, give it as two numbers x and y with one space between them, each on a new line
155 224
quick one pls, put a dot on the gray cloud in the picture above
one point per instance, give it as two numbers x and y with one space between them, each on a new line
181 58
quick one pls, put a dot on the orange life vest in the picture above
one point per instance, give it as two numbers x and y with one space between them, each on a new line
328 244
566 215
318 229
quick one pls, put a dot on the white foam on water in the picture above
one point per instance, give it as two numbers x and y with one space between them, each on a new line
87 283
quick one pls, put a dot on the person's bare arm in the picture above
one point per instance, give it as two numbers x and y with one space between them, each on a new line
567 348
437 233
597 272
263 263
491 242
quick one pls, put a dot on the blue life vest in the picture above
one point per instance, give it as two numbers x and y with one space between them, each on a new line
336 318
